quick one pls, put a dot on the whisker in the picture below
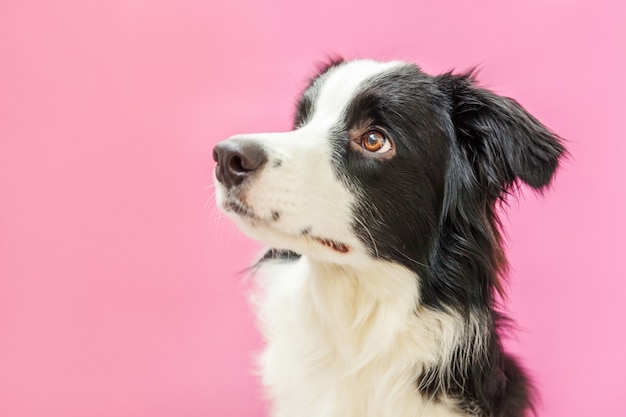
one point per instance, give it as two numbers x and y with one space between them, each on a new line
359 221
411 259
210 199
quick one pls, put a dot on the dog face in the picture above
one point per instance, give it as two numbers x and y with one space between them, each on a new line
298 193
382 159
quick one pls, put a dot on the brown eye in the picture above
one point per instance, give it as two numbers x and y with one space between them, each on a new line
375 141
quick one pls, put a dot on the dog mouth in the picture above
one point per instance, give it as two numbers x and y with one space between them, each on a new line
332 244
243 210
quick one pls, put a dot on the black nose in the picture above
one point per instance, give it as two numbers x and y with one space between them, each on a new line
237 160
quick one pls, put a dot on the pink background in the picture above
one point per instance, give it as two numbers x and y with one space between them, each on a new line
120 291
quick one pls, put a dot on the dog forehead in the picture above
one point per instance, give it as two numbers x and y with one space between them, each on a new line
337 87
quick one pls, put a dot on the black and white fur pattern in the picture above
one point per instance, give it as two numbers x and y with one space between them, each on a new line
377 297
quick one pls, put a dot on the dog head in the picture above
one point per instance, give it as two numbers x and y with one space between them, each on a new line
385 163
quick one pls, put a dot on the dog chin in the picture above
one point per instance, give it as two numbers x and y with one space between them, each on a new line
316 247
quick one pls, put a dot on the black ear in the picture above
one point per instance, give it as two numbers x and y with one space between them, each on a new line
501 139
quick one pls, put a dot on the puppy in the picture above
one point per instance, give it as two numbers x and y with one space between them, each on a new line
377 298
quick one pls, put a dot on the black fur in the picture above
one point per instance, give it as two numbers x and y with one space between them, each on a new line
460 150
279 255
304 108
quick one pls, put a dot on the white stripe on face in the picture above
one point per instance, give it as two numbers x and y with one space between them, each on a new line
339 86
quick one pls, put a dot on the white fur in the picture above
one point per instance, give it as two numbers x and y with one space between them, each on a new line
346 334
343 342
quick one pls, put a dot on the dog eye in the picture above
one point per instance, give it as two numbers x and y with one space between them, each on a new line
375 141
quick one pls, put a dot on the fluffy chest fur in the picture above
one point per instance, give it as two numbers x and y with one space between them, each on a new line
348 343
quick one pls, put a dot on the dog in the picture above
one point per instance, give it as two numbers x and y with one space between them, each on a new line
378 297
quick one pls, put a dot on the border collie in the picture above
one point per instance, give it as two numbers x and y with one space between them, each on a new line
378 295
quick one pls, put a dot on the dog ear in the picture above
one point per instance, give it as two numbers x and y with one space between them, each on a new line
501 140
